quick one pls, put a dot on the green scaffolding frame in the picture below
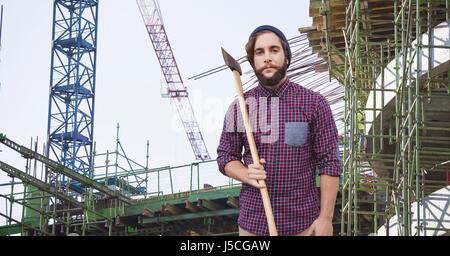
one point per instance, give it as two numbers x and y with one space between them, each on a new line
52 209
364 62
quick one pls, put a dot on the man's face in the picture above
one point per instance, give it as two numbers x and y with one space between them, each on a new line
270 60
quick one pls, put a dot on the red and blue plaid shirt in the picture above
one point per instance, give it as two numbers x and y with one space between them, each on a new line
302 142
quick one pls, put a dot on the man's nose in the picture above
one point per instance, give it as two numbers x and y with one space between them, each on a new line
267 57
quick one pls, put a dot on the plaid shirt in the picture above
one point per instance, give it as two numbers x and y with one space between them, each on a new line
306 140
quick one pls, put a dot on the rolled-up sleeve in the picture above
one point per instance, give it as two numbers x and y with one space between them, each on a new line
325 140
231 140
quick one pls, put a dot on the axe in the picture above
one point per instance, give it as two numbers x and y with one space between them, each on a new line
237 72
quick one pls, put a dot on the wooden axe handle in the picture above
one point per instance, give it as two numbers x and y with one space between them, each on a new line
254 152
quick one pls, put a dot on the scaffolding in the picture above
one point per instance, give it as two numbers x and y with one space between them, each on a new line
122 197
392 57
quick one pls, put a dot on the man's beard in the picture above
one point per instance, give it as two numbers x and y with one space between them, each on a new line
273 81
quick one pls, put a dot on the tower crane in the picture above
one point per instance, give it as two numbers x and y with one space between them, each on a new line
175 89
70 129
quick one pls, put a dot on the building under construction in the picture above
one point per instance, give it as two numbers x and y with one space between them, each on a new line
384 67
392 58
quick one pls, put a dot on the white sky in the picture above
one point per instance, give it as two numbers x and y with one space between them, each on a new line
128 73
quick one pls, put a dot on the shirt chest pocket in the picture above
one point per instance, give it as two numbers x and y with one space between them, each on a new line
296 133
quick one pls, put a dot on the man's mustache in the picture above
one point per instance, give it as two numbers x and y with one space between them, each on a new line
269 66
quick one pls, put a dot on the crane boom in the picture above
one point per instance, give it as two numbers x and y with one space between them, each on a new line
176 90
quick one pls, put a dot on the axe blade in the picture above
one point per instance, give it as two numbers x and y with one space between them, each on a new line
231 62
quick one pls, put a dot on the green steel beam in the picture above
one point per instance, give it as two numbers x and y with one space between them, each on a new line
43 186
59 168
189 216
154 204
10 230
209 204
24 225
191 207
37 183
172 209
233 202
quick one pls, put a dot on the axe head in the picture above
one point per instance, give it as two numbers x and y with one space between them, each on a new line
231 62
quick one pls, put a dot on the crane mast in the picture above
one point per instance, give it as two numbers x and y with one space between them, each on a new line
176 90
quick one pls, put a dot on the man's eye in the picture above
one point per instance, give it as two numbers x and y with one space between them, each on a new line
258 52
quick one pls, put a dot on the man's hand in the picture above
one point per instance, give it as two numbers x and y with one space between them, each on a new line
255 173
321 227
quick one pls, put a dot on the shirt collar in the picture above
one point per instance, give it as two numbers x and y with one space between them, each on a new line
283 87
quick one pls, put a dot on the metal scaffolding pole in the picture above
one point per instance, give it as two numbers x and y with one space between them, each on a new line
363 207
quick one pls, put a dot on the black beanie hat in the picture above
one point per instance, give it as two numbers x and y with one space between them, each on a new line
278 33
